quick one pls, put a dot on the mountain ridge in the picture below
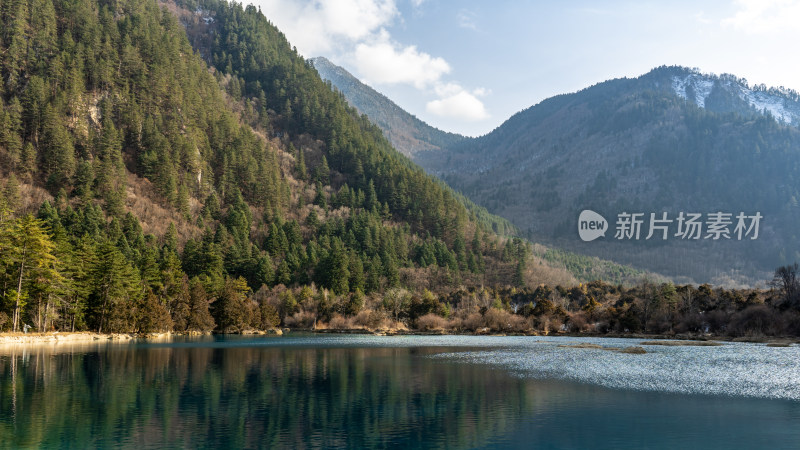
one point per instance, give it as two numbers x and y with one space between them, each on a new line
406 132
646 142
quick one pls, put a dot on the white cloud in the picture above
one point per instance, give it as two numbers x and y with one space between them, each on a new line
467 19
447 89
383 61
356 31
457 103
482 92
317 26
765 16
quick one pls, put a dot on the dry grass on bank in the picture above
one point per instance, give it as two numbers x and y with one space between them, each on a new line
367 320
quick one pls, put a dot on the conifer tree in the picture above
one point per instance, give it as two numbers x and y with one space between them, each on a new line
110 178
335 270
43 30
10 127
116 288
229 310
17 48
58 153
300 165
11 192
26 246
199 318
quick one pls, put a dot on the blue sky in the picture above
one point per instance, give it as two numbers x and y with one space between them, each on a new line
466 66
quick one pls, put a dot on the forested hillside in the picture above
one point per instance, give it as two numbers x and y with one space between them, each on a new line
423 143
144 190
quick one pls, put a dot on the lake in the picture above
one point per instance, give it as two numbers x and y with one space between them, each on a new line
362 391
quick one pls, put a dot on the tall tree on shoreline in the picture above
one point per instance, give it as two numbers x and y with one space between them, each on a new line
26 247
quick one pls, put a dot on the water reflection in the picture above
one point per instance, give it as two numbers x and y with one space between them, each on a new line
367 392
251 396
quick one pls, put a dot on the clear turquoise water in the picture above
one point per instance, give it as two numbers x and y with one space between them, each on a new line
320 391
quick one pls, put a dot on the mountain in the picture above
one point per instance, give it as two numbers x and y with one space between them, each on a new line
669 141
417 139
407 134
673 140
727 93
178 166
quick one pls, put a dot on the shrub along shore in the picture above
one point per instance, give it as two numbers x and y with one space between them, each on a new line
647 310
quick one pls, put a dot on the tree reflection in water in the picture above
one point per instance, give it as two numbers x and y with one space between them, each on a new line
200 394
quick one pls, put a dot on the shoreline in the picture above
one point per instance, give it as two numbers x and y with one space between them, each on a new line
73 337
55 338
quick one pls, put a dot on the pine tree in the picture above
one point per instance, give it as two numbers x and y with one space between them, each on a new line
79 265
110 177
371 203
300 165
335 270
116 288
262 273
373 281
357 280
289 304
211 207
322 172
229 310
199 318
36 109
319 198
476 241
17 49
83 181
11 193
171 239
180 308
390 270
28 249
43 29
356 302
150 272
152 316
28 160
519 274
58 155
284 273
10 127
276 244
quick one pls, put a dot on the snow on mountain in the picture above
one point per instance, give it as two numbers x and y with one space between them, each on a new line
778 107
699 88
782 104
